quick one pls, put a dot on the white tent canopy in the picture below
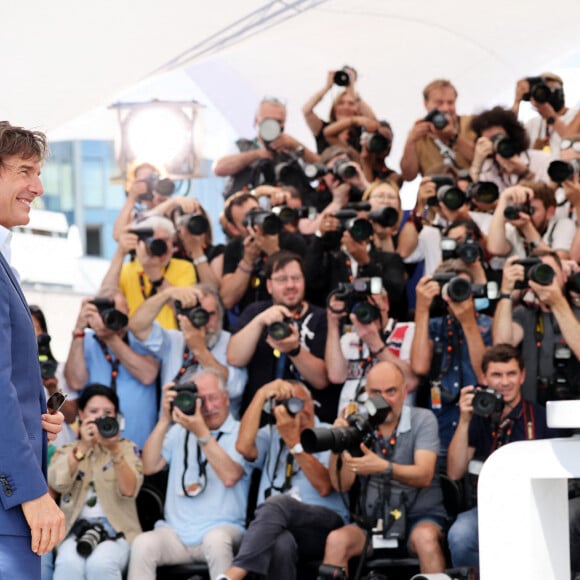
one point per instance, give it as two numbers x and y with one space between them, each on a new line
63 59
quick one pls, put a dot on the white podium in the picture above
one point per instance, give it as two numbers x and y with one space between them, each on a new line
523 504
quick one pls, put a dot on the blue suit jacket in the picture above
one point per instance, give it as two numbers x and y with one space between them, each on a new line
23 443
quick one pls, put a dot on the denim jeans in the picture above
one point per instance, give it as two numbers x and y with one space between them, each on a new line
463 540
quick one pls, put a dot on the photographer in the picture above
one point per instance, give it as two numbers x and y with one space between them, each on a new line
271 147
502 151
103 351
442 137
297 507
397 473
524 221
207 489
152 266
546 94
98 478
200 342
485 424
283 337
448 344
350 356
345 105
545 326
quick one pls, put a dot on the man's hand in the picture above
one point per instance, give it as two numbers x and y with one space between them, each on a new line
483 150
46 522
194 337
370 463
127 240
285 144
466 403
464 311
328 223
251 248
544 109
194 423
168 395
189 296
52 424
427 289
275 313
419 130
278 389
287 344
288 426
550 295
512 273
572 190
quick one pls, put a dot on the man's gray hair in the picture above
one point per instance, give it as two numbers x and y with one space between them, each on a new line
157 222
214 372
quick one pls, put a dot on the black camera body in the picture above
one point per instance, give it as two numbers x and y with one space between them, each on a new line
155 246
186 399
359 228
197 315
290 215
154 182
113 319
483 191
542 93
344 169
460 289
504 146
293 405
376 143
48 364
438 119
196 224
280 329
451 197
361 429
512 211
108 426
355 297
469 251
386 217
341 77
487 402
535 270
89 536
268 221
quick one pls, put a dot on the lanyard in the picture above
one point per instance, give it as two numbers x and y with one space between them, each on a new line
201 466
109 358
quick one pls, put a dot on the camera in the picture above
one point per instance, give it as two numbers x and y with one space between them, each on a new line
451 197
290 215
469 251
361 429
355 297
108 426
164 187
269 130
512 211
89 536
460 289
503 145
573 283
113 319
186 399
359 228
155 246
344 169
487 402
280 329
483 191
542 93
196 224
341 77
270 223
315 170
293 405
438 119
376 143
560 171
535 270
386 217
197 315
47 363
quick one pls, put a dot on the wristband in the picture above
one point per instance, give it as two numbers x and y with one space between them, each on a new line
80 334
244 270
376 354
504 295
389 470
201 260
534 244
203 441
295 351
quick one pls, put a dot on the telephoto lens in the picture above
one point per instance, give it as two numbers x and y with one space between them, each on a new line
108 427
279 330
186 398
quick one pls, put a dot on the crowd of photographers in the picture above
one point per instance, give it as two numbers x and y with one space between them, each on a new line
359 356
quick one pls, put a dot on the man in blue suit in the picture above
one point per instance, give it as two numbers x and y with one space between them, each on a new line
31 524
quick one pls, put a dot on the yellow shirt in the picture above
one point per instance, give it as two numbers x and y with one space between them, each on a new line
178 273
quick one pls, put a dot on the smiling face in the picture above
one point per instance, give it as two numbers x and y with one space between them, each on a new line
287 286
506 378
216 403
19 185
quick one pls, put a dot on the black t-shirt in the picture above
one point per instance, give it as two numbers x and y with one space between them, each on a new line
264 365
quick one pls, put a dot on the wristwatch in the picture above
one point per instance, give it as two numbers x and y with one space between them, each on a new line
296 449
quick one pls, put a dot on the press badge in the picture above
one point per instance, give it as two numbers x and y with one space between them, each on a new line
381 542
435 395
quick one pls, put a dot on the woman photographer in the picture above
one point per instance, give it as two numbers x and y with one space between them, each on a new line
98 479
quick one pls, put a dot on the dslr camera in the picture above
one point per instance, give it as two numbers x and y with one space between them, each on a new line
376 143
541 93
186 399
483 191
451 197
512 211
341 77
460 289
280 329
503 145
269 130
270 223
386 217
438 119
164 187
469 251
290 215
89 536
113 319
355 297
560 171
108 426
359 228
344 169
196 224
293 405
535 270
487 402
155 246
361 429
197 315
48 365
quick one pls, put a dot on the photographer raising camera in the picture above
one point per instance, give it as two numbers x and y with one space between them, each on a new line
98 478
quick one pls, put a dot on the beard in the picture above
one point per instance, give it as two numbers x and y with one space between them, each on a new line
212 337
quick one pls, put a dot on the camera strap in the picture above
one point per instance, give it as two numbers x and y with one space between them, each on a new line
446 152
448 348
115 363
195 489
143 286
189 360
288 473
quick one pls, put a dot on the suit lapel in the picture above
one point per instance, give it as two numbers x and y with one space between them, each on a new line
12 279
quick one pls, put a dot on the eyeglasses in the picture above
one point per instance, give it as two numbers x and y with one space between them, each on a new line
283 279
569 144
